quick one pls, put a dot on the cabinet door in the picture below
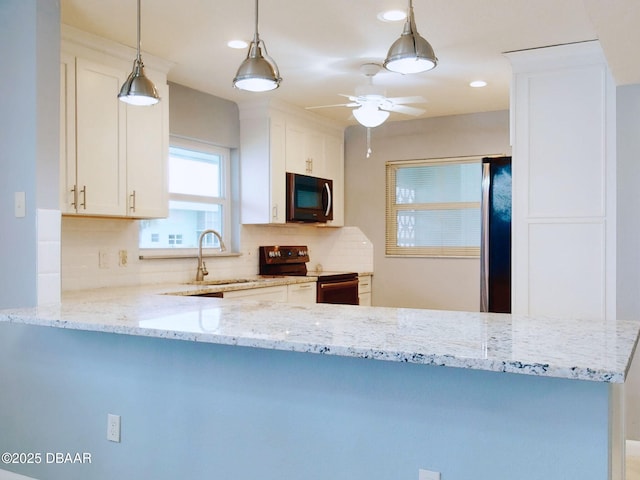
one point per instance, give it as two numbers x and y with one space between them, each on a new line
274 294
301 293
100 153
305 150
296 156
67 133
147 157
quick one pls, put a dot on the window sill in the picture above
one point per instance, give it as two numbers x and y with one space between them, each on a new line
183 253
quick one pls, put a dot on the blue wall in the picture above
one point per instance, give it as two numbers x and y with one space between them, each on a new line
196 411
29 135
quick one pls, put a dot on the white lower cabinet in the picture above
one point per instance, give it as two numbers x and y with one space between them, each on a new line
364 290
301 293
274 294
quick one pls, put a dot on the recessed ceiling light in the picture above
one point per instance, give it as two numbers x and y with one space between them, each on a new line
237 44
478 84
392 16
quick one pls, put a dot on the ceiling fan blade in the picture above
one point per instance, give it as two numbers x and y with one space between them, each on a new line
350 97
403 100
335 105
404 109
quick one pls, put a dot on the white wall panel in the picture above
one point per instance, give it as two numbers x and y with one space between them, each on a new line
566 269
566 143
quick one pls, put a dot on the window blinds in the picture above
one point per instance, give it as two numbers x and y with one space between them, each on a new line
433 207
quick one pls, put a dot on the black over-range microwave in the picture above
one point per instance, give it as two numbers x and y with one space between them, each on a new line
309 199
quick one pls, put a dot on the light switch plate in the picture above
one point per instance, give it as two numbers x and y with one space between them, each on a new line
20 205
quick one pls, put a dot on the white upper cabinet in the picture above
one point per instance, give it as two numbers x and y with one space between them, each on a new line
275 139
305 150
262 167
147 149
100 155
113 156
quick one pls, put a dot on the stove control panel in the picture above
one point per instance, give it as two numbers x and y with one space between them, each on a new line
280 254
283 260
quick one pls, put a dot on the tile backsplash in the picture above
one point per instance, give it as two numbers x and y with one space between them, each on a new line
102 252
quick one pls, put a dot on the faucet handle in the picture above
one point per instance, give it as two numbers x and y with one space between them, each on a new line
204 268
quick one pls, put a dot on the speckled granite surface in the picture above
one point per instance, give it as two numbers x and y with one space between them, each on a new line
566 348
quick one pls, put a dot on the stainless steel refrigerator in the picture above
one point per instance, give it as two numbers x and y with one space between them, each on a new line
495 245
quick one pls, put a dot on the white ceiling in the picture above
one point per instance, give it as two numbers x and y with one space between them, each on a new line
319 45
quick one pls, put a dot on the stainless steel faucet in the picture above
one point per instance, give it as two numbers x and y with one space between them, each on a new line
202 268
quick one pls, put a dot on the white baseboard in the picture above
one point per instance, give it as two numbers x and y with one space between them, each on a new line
633 448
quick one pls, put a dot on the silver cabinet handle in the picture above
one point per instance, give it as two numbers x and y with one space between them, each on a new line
84 197
74 204
132 203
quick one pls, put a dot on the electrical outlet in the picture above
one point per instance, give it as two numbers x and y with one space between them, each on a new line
428 475
123 258
113 428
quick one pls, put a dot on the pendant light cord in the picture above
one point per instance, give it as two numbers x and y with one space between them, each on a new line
139 57
256 37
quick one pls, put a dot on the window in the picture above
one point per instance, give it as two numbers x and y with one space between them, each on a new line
433 207
198 199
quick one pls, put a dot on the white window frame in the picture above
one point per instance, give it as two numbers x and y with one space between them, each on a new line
224 201
391 227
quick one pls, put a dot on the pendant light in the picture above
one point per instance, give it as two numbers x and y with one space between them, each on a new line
257 73
410 53
138 89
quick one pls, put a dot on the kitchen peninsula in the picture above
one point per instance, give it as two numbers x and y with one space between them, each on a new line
220 388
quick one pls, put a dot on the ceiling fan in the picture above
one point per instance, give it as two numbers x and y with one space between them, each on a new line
373 107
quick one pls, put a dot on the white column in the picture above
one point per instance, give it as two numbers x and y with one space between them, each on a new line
564 185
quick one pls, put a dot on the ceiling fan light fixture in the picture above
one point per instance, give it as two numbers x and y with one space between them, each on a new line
138 89
370 116
258 72
410 53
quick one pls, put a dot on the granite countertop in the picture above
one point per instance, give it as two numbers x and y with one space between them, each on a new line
566 348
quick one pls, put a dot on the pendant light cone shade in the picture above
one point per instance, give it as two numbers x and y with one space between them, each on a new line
137 88
370 115
410 53
258 72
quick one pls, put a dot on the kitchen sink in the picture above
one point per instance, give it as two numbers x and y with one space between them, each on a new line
221 282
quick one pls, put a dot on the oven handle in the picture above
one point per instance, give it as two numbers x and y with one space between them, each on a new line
340 284
326 186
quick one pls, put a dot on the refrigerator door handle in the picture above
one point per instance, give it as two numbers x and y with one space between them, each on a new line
484 238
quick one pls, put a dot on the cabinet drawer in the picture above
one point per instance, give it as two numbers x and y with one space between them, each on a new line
364 284
275 294
302 293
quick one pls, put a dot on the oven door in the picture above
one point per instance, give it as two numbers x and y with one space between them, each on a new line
343 292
